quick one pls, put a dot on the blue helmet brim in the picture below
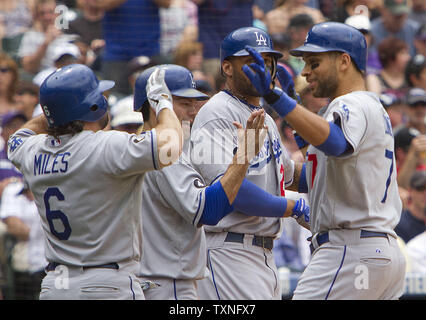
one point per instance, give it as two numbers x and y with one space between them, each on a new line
244 52
190 93
299 51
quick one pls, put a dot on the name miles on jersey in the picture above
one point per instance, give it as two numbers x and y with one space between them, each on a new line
45 163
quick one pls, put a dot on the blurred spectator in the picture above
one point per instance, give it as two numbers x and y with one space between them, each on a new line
363 24
19 211
420 40
416 100
412 138
393 56
130 29
179 24
88 27
119 104
189 54
123 118
418 11
88 24
282 43
15 19
348 8
278 19
393 21
26 98
15 16
10 122
62 56
260 8
413 219
216 19
298 29
415 72
416 253
38 44
8 81
395 108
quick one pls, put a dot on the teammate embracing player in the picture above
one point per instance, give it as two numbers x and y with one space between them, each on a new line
350 169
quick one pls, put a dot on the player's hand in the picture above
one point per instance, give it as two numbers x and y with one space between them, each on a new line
301 210
252 138
257 73
158 93
286 80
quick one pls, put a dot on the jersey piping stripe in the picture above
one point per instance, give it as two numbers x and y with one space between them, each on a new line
174 289
131 288
198 209
211 270
335 276
152 151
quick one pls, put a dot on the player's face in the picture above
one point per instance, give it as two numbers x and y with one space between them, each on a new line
321 73
241 83
185 108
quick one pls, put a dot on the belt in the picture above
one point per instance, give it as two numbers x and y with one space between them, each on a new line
323 237
259 241
112 265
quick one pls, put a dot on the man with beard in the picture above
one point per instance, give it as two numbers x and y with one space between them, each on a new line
87 183
239 248
350 169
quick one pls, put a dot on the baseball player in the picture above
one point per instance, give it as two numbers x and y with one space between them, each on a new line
239 247
350 169
176 201
87 184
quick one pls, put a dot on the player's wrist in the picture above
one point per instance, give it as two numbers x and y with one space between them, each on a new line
163 104
280 102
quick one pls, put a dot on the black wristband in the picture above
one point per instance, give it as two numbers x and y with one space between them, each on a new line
271 97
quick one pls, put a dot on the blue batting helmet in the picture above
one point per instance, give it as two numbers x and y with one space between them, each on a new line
73 93
178 79
233 45
335 36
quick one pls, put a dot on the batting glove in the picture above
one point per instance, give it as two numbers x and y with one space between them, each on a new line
257 73
260 77
158 94
301 209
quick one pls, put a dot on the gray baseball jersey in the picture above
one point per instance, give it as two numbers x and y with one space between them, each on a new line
173 201
88 191
357 191
213 143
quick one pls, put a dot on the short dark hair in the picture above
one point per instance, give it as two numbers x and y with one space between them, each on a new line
72 128
145 111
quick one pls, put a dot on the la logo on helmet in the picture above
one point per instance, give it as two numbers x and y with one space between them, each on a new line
260 39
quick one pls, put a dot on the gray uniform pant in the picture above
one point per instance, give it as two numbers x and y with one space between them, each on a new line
239 271
351 267
78 283
169 289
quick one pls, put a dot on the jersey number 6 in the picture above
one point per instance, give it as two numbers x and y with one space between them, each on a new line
52 215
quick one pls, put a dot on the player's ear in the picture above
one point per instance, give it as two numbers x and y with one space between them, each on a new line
227 68
345 61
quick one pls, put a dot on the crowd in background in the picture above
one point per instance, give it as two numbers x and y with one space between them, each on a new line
118 39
